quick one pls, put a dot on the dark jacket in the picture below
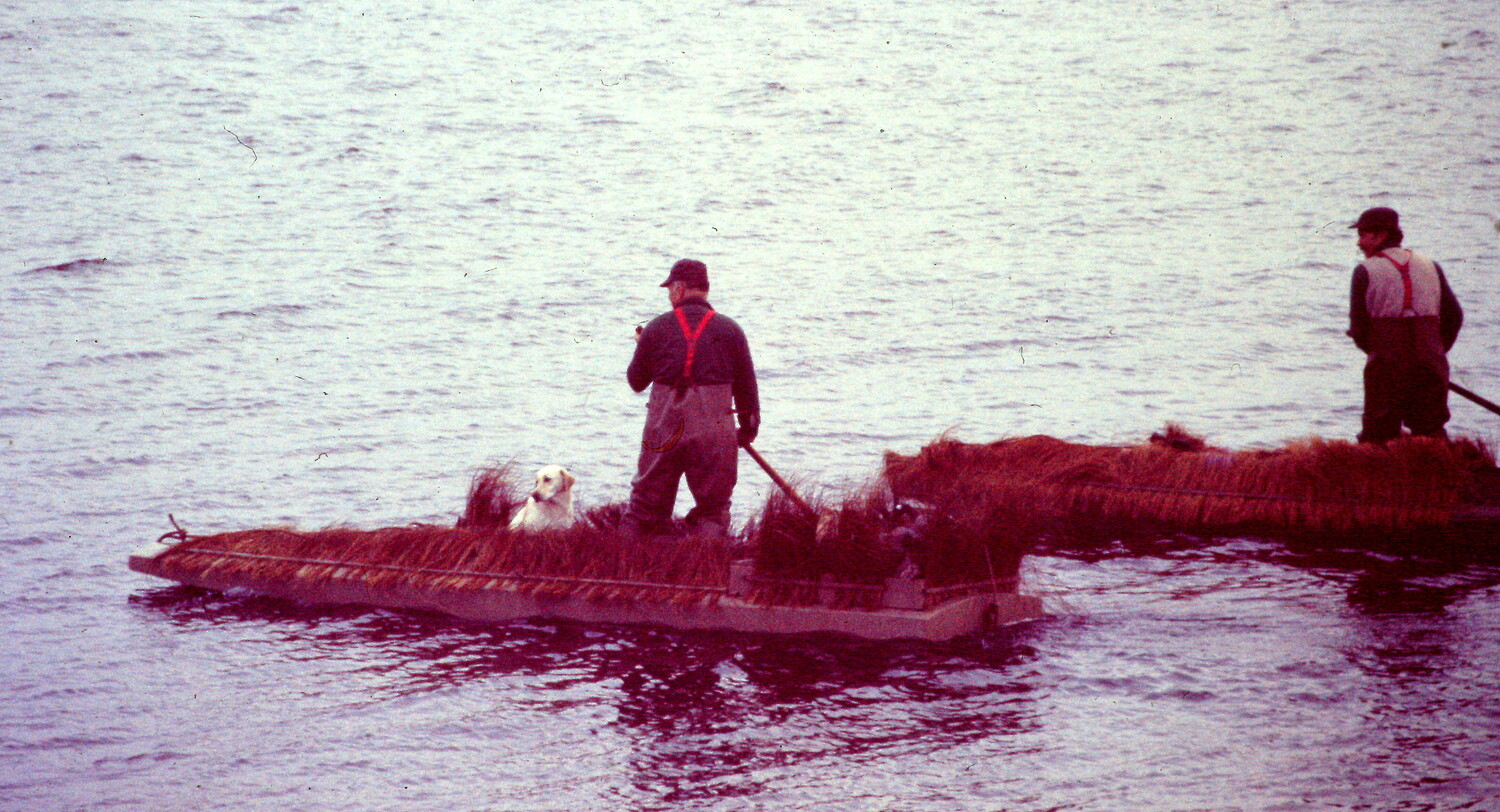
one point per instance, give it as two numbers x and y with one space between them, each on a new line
722 357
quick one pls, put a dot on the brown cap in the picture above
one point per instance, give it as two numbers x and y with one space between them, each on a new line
1379 218
690 272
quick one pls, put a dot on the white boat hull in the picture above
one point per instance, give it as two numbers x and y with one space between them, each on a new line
963 615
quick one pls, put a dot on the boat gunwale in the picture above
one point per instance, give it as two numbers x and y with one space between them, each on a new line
953 618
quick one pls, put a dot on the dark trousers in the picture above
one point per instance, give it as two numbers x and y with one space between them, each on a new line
1406 380
689 433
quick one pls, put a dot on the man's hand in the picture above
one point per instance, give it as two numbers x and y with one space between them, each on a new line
749 428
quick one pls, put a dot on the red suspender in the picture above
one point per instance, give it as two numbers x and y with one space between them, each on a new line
692 337
1405 270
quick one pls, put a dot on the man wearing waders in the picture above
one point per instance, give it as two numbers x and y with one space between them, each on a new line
1405 317
696 362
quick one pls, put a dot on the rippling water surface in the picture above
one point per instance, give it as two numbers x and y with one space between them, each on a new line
315 263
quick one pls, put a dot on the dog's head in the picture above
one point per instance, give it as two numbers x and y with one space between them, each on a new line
552 481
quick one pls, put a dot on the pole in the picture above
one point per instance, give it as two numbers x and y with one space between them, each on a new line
780 483
1471 396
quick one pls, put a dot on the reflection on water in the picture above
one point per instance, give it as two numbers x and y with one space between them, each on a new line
703 715
1381 575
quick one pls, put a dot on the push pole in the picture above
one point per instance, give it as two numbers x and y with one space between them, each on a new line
1471 396
785 487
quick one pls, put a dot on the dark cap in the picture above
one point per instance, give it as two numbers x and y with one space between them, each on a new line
1379 218
689 272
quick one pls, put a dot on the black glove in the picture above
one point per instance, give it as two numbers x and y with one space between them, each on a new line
749 427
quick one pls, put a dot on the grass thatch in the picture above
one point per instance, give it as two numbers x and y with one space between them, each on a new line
861 542
869 537
1177 480
493 499
589 560
978 510
580 562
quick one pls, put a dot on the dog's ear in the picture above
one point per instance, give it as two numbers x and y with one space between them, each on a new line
568 479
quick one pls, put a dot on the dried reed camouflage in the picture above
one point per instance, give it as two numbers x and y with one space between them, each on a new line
796 564
1177 481
974 511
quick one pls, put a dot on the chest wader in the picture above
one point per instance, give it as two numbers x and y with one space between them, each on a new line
689 432
1406 371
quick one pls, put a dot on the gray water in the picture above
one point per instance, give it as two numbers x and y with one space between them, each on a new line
315 264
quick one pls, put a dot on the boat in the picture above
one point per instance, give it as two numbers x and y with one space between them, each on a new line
898 609
1410 489
862 569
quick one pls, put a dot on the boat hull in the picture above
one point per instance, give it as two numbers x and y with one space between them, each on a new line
961 616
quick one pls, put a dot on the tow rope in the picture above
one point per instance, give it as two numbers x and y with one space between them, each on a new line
178 535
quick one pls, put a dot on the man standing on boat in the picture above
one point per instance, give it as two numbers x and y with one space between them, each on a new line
697 362
1405 317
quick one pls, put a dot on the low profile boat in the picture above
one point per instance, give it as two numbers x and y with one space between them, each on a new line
864 568
1410 489
933 552
899 608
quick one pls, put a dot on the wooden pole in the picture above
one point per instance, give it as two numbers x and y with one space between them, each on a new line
780 483
1471 396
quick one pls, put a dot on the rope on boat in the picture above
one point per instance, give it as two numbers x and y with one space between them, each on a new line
178 535
991 564
995 585
459 573
1273 497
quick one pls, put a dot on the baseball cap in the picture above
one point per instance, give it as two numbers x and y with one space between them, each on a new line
690 272
1379 218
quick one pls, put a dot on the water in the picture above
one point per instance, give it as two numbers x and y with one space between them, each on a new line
314 264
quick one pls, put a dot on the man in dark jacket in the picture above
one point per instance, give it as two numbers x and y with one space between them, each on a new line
1405 317
696 362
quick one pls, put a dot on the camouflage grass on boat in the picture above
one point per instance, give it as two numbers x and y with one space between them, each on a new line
1177 480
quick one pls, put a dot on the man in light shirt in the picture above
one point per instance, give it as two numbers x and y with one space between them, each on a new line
1405 317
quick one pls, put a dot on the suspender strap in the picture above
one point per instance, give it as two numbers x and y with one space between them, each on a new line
1405 269
692 337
